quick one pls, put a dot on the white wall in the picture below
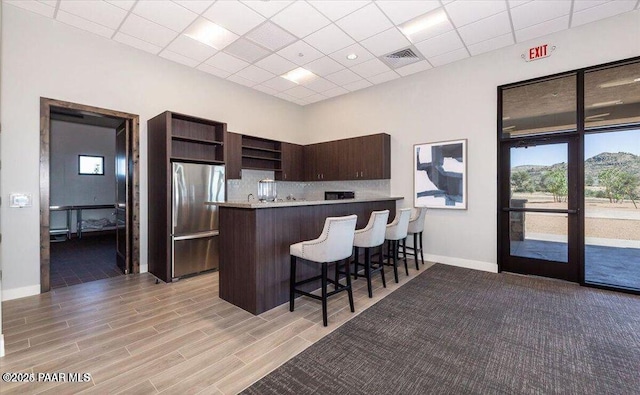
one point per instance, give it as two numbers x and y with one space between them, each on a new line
459 101
44 58
67 187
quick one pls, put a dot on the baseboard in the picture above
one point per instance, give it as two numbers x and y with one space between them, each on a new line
466 263
1 345
15 293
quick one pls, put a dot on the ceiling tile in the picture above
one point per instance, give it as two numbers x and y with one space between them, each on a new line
95 11
241 81
197 6
293 53
335 10
341 55
191 48
33 6
300 19
365 22
402 11
335 92
343 77
137 43
246 50
414 68
178 58
213 70
602 11
320 85
276 64
537 11
280 84
165 13
233 16
516 3
485 29
286 97
370 68
148 31
50 3
449 57
271 36
491 44
384 77
354 86
580 5
255 74
84 24
441 44
265 89
466 12
324 66
431 32
542 29
315 98
388 41
124 4
267 8
299 92
227 62
329 39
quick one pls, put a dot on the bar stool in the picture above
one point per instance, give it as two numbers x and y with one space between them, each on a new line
334 244
395 232
416 227
369 237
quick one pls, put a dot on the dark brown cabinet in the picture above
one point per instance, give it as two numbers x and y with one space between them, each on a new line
174 137
261 154
358 158
233 156
293 166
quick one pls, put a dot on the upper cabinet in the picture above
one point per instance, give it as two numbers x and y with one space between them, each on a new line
358 158
194 139
233 155
293 164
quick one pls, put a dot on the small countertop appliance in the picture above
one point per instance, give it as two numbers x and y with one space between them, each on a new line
339 195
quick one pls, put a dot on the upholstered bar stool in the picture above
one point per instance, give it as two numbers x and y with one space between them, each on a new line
370 237
416 227
334 244
396 232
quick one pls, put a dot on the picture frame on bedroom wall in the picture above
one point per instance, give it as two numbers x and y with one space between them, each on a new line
440 175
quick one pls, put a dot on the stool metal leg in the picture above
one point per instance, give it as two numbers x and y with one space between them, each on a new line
415 249
292 284
337 277
381 259
395 259
421 256
356 263
367 269
404 255
349 290
324 293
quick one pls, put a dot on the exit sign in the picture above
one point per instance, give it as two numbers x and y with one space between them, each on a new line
539 52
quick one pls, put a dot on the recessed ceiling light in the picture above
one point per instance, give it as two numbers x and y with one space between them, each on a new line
423 22
607 103
352 56
299 75
210 34
626 81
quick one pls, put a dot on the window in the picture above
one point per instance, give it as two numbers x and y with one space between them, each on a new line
91 165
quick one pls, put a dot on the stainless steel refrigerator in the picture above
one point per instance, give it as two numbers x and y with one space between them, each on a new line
194 235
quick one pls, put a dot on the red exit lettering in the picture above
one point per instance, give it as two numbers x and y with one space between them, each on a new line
538 52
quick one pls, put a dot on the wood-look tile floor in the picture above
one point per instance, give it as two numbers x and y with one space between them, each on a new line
137 337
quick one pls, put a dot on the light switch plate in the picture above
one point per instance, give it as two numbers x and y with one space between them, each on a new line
20 200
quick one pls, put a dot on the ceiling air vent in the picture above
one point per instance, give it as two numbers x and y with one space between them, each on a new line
402 58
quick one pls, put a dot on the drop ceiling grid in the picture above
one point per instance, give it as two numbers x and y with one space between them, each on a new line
324 32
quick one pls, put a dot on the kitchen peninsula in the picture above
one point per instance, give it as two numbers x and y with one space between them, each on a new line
255 239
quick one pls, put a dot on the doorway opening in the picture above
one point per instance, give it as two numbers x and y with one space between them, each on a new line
89 193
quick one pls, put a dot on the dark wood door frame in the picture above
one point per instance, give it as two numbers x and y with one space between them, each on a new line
45 138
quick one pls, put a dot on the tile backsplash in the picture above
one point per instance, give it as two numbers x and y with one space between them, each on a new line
238 190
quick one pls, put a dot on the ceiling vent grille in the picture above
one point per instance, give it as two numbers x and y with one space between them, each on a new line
402 58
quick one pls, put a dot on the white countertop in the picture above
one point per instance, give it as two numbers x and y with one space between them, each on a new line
294 203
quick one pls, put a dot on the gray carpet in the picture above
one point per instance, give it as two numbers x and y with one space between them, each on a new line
459 331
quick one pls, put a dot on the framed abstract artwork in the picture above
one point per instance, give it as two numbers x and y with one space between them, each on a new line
440 175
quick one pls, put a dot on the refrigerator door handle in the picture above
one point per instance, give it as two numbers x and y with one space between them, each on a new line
197 235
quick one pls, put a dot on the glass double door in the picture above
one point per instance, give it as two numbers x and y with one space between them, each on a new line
539 213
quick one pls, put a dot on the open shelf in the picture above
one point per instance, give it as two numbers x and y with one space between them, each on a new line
260 168
261 158
250 147
195 160
197 140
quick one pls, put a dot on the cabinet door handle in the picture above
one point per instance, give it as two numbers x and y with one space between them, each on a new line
361 173
356 174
